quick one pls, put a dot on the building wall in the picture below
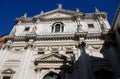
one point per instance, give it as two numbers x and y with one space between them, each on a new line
74 53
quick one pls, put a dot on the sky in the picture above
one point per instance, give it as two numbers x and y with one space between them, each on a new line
11 9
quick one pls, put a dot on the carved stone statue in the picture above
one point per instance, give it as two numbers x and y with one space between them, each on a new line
77 10
25 15
96 10
34 29
79 27
59 6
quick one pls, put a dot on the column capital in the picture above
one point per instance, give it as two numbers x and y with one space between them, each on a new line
38 69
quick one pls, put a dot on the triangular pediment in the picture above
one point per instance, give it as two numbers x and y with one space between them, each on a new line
62 13
8 71
58 15
52 58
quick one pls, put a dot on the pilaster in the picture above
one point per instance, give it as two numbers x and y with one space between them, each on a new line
3 57
24 65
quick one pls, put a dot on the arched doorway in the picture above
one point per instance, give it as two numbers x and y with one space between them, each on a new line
52 75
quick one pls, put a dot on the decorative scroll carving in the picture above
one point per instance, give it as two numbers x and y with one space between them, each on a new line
96 46
54 48
69 47
41 49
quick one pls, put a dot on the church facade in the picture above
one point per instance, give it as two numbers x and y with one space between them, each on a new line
58 44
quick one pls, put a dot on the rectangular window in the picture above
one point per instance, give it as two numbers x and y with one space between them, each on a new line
6 77
27 28
90 26
40 52
118 30
57 28
69 52
55 52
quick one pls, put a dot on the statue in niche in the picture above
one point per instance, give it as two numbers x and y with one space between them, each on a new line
34 28
104 25
79 28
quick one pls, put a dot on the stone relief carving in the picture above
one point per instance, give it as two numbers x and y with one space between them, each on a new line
13 60
79 28
69 47
55 48
41 49
34 28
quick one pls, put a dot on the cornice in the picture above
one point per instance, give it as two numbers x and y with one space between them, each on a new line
73 15
87 35
27 37
75 36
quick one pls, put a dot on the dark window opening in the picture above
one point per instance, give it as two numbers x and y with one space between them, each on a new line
118 30
52 28
55 52
57 28
6 77
69 52
103 74
40 52
62 28
52 75
90 26
27 28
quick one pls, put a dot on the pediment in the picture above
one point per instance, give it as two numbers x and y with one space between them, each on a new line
53 57
8 71
56 14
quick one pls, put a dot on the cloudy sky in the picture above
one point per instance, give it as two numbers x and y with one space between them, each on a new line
11 9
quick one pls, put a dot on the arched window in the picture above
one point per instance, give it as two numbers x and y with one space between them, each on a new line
52 75
58 27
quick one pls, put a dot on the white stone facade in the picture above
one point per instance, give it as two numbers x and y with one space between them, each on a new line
62 42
